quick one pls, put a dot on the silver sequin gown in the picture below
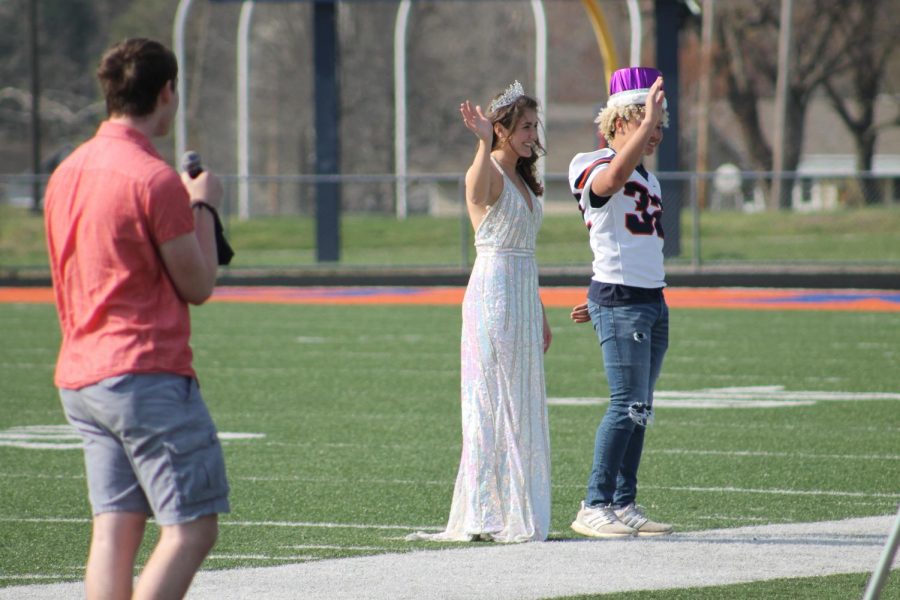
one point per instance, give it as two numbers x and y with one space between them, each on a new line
502 489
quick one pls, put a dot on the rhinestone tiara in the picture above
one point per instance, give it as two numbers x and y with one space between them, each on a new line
510 95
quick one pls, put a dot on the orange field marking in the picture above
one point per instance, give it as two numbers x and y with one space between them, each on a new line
22 295
556 297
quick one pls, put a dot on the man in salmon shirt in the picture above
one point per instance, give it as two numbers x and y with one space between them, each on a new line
131 244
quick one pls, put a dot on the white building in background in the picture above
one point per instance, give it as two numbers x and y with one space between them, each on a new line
823 178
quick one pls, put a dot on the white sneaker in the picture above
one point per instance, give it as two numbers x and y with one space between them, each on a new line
633 516
600 522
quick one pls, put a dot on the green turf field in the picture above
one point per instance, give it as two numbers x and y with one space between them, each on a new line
358 412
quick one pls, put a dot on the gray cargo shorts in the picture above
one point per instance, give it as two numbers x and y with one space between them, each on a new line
150 446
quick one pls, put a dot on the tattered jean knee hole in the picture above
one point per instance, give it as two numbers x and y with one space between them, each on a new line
641 414
639 336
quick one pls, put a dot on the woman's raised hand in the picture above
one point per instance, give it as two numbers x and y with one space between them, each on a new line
476 122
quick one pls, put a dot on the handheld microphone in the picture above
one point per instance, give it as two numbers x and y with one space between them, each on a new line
192 164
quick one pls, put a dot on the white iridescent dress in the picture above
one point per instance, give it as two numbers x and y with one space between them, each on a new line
502 490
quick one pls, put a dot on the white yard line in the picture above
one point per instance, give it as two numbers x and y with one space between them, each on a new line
225 523
336 547
264 557
44 520
550 569
27 577
768 396
769 454
777 492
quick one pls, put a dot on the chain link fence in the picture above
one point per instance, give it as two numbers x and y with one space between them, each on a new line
722 218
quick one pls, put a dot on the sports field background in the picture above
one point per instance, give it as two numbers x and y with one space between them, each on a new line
341 429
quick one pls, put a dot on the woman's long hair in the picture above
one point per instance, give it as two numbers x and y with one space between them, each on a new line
509 116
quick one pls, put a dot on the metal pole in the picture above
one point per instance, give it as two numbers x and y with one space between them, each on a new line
243 109
781 89
540 66
706 36
668 155
634 18
880 575
178 46
695 223
400 105
35 107
327 121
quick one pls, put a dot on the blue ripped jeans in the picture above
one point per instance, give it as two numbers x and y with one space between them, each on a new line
633 340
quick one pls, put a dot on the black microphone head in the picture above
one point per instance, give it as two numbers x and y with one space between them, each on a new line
191 163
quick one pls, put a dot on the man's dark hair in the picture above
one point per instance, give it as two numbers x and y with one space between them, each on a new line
132 73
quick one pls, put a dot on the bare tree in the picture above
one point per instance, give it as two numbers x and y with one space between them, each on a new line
67 59
459 50
869 29
747 52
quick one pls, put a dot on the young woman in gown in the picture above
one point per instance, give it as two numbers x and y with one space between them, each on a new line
502 490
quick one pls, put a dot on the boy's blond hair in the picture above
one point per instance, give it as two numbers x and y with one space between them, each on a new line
606 119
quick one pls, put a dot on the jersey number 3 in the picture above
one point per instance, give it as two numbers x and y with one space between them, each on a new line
643 222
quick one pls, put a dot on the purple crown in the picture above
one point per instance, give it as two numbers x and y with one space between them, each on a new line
630 85
632 78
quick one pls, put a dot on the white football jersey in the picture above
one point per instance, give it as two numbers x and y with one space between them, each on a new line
626 233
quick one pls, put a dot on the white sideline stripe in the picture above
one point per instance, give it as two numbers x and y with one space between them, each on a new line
550 569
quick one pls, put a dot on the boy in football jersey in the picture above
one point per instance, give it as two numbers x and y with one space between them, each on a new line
622 208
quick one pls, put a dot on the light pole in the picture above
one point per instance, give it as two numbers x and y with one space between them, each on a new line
35 107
